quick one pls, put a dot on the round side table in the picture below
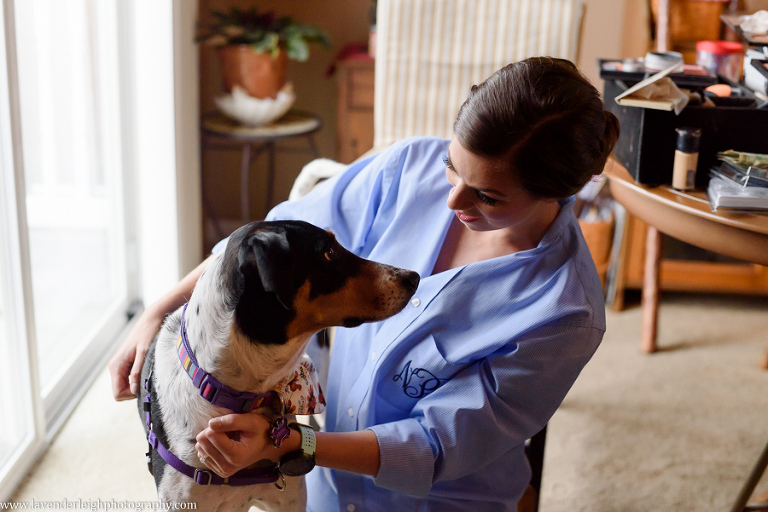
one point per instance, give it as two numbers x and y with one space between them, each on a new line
256 140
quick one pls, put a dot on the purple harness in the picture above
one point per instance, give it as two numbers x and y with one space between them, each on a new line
220 395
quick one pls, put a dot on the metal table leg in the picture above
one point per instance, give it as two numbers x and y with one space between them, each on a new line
313 146
245 181
270 177
751 483
249 156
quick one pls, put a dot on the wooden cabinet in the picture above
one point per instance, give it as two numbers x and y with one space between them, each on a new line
355 77
681 23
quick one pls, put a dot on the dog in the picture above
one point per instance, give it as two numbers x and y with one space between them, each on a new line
248 321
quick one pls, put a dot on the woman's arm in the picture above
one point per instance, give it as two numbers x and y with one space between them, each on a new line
125 365
233 442
357 452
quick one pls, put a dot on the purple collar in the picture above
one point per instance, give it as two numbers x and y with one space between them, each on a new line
215 392
221 395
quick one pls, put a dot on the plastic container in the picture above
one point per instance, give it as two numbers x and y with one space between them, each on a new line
686 158
722 57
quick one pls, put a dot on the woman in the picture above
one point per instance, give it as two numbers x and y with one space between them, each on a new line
435 404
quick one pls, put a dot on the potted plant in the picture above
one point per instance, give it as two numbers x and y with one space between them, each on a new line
254 48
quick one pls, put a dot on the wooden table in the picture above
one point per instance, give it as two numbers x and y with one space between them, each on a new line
688 217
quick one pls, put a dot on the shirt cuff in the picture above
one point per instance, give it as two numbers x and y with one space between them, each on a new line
407 461
220 246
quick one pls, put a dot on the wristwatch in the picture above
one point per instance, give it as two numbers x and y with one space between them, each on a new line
301 461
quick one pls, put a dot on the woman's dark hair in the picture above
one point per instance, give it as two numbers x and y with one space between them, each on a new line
544 120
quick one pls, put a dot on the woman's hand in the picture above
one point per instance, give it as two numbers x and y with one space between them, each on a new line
125 366
236 441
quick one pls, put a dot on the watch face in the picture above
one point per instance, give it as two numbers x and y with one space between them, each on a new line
296 463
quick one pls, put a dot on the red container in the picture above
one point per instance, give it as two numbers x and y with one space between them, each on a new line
723 57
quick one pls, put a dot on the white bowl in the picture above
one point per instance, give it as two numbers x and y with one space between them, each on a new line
254 111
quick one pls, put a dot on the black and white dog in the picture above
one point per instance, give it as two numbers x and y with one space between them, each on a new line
248 321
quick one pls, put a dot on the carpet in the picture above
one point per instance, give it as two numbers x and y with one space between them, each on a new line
678 430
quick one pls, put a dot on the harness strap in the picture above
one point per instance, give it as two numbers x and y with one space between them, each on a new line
261 475
218 394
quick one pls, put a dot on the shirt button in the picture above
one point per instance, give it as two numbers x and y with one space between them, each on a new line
373 356
351 412
351 507
416 302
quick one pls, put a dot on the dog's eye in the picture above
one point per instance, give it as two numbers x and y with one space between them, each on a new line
329 254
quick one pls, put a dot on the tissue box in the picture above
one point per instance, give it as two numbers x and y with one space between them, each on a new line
646 146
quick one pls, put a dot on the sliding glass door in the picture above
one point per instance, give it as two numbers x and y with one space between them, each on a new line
21 430
70 132
64 268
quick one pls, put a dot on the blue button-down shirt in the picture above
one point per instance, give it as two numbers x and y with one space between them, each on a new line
477 362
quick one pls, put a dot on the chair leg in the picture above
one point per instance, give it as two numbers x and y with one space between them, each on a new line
534 450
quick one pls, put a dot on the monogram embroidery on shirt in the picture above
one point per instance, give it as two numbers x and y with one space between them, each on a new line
417 382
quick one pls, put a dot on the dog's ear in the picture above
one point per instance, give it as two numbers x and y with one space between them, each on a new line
268 254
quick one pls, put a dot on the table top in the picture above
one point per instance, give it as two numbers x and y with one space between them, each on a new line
688 217
292 124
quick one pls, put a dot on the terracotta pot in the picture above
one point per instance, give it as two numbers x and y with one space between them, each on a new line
258 73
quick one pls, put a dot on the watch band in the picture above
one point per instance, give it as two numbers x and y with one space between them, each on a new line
308 440
302 461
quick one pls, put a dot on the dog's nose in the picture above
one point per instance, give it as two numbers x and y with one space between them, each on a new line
410 280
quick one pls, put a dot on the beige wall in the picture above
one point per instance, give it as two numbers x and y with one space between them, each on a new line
612 28
636 35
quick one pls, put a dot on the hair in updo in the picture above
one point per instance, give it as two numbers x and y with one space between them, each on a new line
544 121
